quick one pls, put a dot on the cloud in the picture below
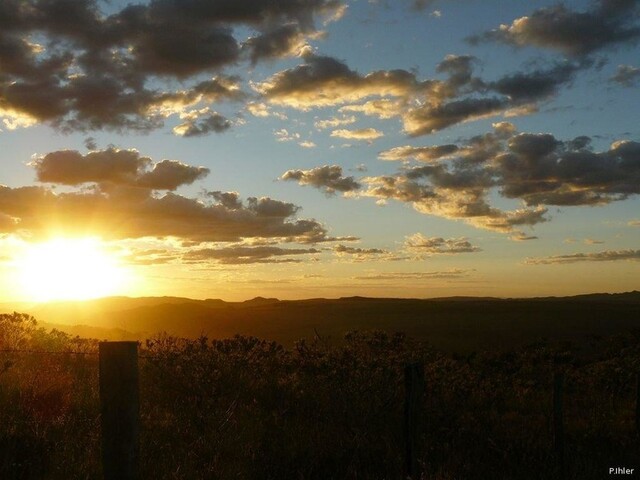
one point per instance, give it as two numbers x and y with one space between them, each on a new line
151 256
465 198
242 255
324 81
460 71
283 41
120 70
592 241
626 75
170 174
511 95
115 166
122 214
359 254
535 168
202 123
335 122
258 109
634 223
522 237
608 23
90 143
283 135
384 108
542 170
229 200
124 202
604 256
328 178
432 118
424 106
524 87
361 134
453 273
422 154
437 245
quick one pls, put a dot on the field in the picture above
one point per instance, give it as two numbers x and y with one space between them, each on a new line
331 405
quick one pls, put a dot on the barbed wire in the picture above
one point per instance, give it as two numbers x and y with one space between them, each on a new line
63 352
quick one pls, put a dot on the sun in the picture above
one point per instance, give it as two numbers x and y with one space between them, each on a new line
69 269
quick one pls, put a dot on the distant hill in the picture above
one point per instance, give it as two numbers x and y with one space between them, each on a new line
457 323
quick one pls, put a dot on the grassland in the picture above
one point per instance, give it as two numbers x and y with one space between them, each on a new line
331 408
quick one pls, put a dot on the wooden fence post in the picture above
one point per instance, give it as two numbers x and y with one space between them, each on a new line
120 410
558 419
414 388
638 403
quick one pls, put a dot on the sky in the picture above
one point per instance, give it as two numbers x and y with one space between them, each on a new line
318 148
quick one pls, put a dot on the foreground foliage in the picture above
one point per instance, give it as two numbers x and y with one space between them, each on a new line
248 408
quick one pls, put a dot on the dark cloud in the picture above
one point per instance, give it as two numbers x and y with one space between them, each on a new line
286 40
626 75
324 81
170 174
459 68
199 125
537 169
345 250
268 207
522 237
517 93
230 200
437 245
523 87
90 143
121 215
120 167
608 23
91 70
542 170
431 118
328 178
424 106
123 202
604 256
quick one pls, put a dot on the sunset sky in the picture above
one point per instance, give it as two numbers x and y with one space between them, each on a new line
318 148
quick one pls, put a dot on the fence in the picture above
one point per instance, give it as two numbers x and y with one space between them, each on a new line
120 407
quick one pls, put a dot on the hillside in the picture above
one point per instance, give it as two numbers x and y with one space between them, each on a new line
457 324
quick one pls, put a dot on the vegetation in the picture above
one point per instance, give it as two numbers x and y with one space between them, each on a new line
249 408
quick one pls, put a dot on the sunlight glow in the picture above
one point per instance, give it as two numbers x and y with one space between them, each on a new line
69 269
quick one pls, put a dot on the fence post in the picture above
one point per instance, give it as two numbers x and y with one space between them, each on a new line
414 388
558 419
638 403
120 410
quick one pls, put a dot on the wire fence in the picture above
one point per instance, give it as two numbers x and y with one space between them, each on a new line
248 408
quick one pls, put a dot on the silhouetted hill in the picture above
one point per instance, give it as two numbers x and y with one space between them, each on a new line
458 323
260 301
627 297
